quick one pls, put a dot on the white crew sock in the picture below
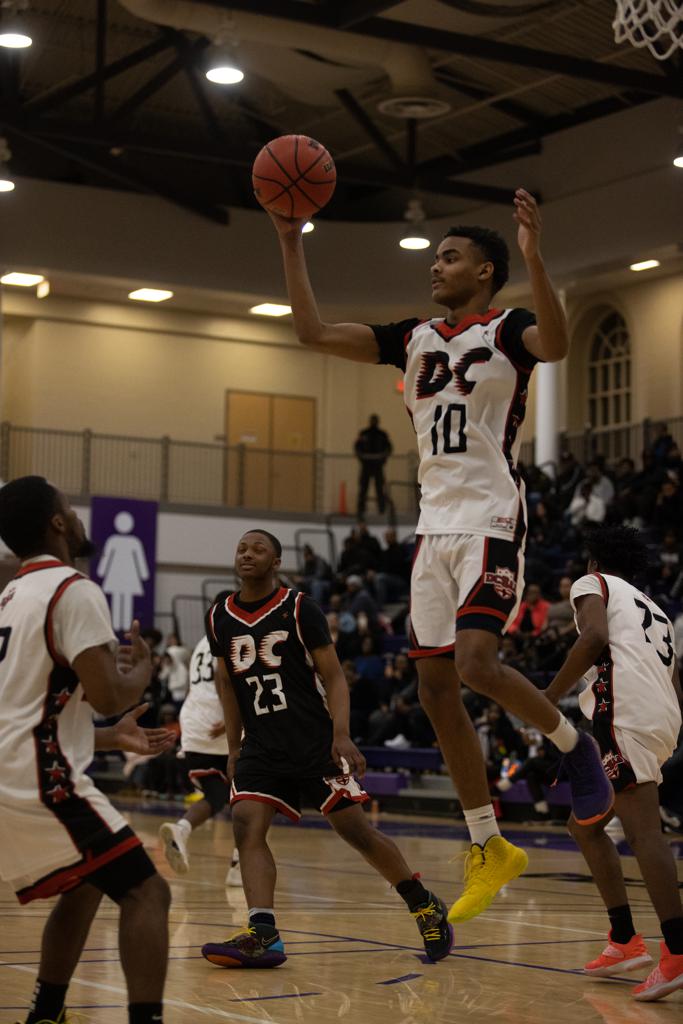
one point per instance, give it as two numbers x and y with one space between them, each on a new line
565 737
542 807
235 858
185 826
481 823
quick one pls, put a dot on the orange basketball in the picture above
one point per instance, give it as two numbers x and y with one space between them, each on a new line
294 176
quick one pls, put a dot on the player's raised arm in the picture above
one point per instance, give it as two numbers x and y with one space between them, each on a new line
548 340
350 341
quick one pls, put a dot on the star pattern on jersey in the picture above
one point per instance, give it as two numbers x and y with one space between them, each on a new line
603 706
50 744
58 794
56 772
611 763
62 698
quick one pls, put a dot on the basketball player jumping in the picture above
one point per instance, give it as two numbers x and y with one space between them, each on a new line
466 380
59 835
282 684
625 651
205 746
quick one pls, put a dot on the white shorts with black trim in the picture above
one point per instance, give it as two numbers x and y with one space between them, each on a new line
462 581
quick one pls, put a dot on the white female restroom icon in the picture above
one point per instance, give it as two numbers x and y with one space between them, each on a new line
123 570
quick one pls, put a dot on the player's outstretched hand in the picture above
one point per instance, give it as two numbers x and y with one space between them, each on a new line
286 228
135 653
345 750
529 223
128 735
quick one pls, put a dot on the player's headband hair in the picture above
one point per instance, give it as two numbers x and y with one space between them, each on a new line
273 540
492 245
27 505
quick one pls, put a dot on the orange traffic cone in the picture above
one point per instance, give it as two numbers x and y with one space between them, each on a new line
343 511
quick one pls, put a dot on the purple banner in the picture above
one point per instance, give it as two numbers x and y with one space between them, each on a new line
125 532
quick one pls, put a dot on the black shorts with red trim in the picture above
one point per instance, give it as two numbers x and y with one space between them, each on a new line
209 774
327 791
114 864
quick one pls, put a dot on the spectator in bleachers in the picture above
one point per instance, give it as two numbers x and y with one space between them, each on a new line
646 486
586 507
175 670
539 769
499 739
356 599
392 581
362 700
662 443
668 509
359 553
559 631
669 563
346 642
369 664
532 614
316 576
601 485
566 482
624 505
163 775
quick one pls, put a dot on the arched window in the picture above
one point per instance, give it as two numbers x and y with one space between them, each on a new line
609 374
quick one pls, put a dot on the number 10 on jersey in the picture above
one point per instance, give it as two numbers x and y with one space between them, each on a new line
449 420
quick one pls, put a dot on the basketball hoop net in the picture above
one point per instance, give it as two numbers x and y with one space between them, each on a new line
656 24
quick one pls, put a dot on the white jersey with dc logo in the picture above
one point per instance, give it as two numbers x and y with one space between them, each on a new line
465 390
202 708
631 685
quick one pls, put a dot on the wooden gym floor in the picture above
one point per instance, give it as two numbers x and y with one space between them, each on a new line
354 952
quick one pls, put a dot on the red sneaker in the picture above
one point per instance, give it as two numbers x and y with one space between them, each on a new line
666 977
617 957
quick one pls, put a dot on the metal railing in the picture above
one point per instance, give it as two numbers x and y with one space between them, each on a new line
83 463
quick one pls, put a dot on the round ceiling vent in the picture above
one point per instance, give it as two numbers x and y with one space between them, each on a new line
418 107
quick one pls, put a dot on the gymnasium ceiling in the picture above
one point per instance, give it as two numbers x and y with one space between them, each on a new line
108 98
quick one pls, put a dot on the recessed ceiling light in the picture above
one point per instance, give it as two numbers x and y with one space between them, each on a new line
150 295
21 280
678 160
414 242
308 227
644 265
43 289
15 40
225 74
271 309
6 185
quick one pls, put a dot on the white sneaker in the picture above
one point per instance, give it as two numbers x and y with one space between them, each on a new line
398 742
234 877
175 847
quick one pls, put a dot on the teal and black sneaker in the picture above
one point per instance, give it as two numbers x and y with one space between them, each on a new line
436 932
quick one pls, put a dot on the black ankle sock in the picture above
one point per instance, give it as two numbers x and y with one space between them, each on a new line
622 924
262 917
145 1013
672 930
413 893
47 1002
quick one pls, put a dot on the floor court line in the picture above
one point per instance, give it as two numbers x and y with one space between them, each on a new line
204 1010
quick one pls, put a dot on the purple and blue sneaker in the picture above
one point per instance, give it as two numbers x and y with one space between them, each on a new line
592 792
247 948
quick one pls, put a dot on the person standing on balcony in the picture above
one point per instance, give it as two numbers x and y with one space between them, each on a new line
466 386
372 449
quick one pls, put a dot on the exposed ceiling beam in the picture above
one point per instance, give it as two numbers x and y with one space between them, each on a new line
512 108
481 47
146 91
74 139
117 171
56 97
348 12
100 59
362 118
187 54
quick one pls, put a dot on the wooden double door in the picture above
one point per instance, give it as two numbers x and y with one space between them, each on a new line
271 457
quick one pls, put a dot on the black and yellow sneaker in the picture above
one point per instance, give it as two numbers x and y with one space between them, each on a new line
251 947
436 932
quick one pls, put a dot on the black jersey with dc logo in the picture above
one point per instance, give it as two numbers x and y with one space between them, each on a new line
266 648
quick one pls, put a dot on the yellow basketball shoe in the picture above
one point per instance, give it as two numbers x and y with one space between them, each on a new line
487 870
